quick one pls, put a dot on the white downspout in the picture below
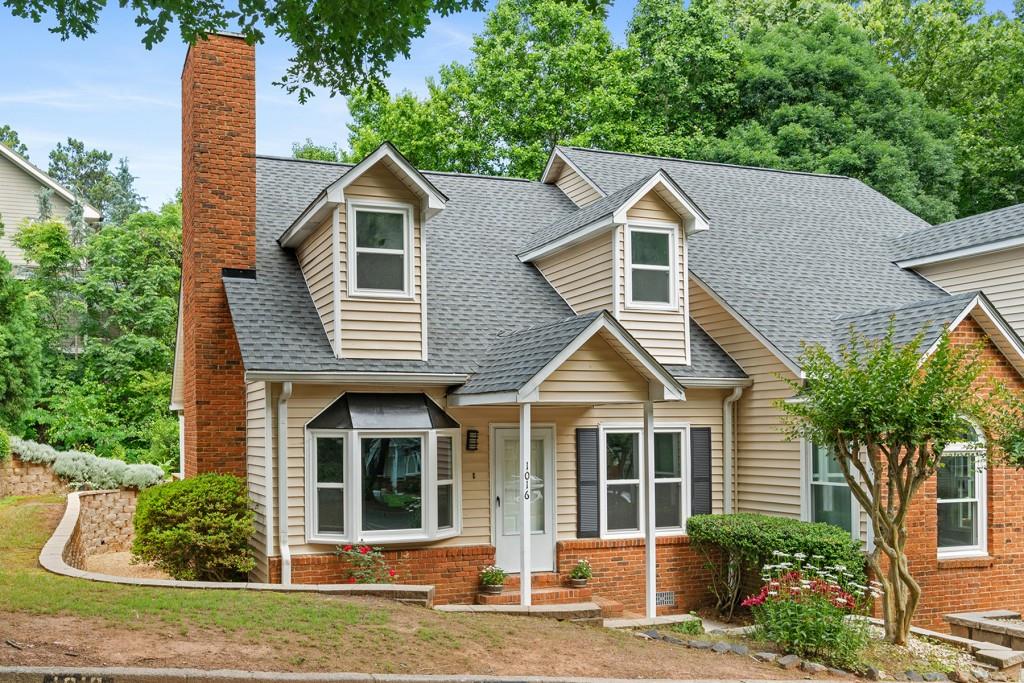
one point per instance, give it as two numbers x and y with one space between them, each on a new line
181 444
650 531
282 481
268 464
729 447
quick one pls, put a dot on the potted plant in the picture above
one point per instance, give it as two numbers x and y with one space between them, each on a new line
580 574
492 580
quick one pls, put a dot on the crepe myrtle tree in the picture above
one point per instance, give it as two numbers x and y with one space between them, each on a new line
887 412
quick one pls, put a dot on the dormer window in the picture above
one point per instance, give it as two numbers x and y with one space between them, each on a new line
652 266
380 249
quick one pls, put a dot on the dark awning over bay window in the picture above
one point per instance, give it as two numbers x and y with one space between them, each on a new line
383 411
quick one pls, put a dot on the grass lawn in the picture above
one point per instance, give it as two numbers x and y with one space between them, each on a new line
56 620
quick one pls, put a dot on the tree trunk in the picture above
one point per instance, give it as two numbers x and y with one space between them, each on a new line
901 593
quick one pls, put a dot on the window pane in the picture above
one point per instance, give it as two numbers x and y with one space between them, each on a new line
330 511
444 506
958 524
651 285
330 460
825 467
623 507
668 459
668 505
956 477
379 230
623 452
380 271
444 458
832 504
650 248
392 483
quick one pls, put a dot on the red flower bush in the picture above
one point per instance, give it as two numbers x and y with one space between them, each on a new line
792 585
366 564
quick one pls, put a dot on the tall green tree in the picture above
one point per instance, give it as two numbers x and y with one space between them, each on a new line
970 62
20 351
314 152
815 97
87 173
9 138
543 72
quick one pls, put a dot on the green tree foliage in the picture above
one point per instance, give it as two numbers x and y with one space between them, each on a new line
87 173
887 415
9 138
109 309
20 351
971 63
339 44
314 152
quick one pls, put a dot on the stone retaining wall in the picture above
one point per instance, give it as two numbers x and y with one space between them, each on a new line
20 478
104 525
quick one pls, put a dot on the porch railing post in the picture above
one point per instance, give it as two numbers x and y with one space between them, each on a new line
525 521
650 540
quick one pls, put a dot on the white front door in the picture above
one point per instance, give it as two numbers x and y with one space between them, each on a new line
506 504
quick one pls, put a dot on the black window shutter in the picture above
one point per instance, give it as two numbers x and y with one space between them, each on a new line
588 483
700 470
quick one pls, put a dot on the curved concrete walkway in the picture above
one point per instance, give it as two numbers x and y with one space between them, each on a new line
34 674
52 559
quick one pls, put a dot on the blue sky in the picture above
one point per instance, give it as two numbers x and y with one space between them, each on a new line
113 94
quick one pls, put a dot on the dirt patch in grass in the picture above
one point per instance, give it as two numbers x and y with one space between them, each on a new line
120 564
55 620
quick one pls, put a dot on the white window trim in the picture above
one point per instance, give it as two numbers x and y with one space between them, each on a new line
353 518
980 549
632 428
408 253
661 227
806 506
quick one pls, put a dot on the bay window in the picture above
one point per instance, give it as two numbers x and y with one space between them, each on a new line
380 249
652 266
961 484
622 481
400 486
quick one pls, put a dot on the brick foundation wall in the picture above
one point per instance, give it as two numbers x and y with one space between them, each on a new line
20 478
104 525
962 585
454 571
218 137
619 570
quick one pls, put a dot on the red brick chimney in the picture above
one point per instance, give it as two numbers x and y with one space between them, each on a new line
218 191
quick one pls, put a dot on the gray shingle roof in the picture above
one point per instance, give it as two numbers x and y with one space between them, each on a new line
707 359
973 231
516 357
788 251
931 316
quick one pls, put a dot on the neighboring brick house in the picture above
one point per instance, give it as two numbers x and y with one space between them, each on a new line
390 355
20 185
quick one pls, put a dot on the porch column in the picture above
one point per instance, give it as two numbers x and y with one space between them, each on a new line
525 522
650 540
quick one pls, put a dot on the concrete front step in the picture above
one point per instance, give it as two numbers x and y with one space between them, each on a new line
538 580
583 612
540 596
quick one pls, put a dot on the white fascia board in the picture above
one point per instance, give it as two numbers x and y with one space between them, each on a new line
966 252
440 379
89 212
715 382
488 398
435 200
574 237
783 358
699 221
1007 332
559 155
952 326
308 220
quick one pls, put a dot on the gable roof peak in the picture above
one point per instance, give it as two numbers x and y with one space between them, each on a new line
90 213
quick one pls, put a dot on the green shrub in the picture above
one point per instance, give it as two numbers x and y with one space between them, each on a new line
85 470
738 545
196 529
5 445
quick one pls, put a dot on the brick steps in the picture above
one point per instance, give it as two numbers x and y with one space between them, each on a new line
540 596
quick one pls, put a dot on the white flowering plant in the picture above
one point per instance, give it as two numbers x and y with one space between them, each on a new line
812 610
492 576
88 471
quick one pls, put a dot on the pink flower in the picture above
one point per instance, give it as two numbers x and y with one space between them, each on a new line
351 579
391 573
363 549
347 548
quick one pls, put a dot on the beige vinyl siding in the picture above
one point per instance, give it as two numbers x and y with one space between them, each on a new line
767 471
662 332
582 274
595 373
1000 275
382 328
702 409
576 187
317 265
255 470
19 200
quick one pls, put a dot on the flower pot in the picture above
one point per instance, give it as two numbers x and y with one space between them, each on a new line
578 583
491 590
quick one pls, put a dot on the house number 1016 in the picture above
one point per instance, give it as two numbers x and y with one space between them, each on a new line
526 485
